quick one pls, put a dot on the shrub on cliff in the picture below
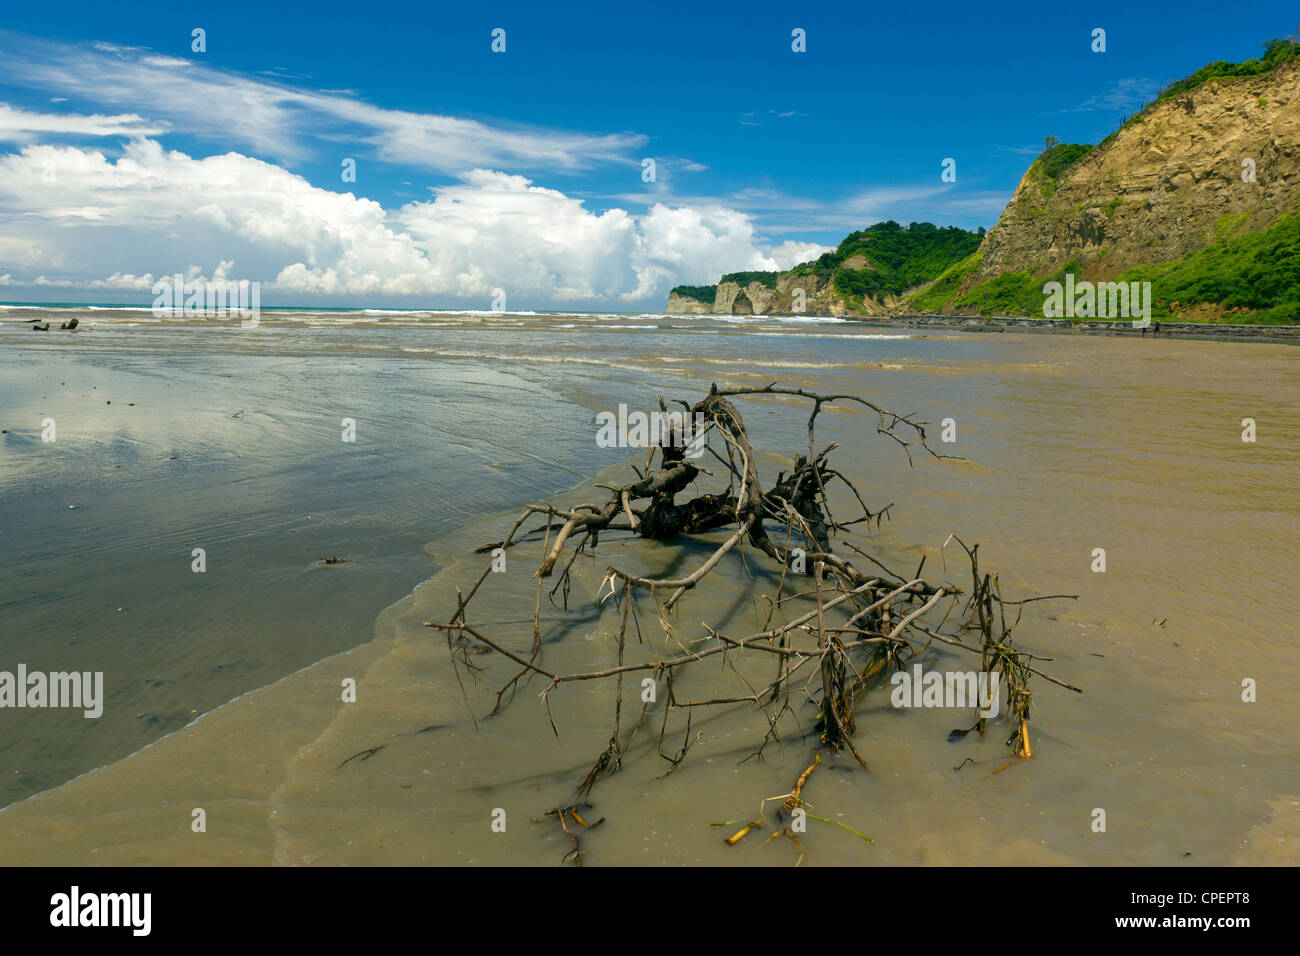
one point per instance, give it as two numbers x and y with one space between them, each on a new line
700 293
1061 157
743 279
1276 52
898 257
1257 271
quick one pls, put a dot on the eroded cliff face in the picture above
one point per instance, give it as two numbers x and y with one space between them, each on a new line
684 305
794 295
818 297
1167 184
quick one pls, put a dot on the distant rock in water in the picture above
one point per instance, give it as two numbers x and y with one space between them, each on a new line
44 327
71 325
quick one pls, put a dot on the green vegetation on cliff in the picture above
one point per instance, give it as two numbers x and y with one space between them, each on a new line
700 293
913 254
1258 272
1055 161
939 294
1276 52
1255 274
1010 293
893 258
743 279
882 260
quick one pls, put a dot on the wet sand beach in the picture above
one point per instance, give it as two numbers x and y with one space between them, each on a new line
223 688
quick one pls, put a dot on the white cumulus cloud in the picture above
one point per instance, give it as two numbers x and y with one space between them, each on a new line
152 212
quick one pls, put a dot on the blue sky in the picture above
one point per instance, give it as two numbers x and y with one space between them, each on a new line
125 155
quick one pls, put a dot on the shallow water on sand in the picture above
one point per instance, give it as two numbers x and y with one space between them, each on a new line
1072 443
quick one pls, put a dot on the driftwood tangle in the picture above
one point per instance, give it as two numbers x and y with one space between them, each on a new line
852 623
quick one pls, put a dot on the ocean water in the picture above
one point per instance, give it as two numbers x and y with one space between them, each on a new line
172 435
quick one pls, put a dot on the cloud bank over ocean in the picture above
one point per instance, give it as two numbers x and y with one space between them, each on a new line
99 201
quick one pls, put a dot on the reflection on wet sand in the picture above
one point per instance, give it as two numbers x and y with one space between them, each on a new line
1072 445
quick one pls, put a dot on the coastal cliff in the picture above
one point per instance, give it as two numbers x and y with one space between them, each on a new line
865 276
1198 194
1225 155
